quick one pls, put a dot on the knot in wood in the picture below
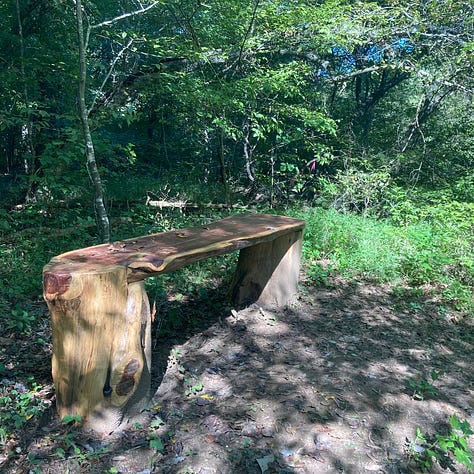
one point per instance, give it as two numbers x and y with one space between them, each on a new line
127 382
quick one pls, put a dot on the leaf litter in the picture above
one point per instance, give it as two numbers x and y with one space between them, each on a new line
319 387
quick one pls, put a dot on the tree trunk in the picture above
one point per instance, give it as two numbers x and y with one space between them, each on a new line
223 172
29 155
99 202
248 151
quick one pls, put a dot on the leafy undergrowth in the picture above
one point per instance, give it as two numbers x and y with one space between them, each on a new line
430 255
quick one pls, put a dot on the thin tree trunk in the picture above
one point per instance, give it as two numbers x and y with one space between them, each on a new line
223 172
248 150
27 127
102 217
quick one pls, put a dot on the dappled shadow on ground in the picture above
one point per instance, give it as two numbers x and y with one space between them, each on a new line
322 387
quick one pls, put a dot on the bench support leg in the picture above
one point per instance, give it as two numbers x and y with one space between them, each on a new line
267 273
101 346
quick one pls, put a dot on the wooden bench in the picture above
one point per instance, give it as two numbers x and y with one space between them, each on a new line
101 315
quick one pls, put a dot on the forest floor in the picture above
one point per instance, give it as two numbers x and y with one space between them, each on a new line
326 386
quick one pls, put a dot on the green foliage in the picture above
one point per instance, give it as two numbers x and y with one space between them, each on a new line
193 385
352 244
421 387
71 419
157 444
18 404
20 320
36 236
155 441
355 190
444 449
203 100
417 254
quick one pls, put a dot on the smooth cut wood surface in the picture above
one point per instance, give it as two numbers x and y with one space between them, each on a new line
163 253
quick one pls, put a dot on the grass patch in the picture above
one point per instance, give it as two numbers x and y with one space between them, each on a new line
381 251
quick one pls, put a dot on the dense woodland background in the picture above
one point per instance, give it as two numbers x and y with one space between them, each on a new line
363 106
359 107
355 115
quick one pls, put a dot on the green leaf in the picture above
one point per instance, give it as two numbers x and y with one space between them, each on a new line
463 457
60 453
156 444
156 423
445 443
430 455
420 436
71 419
462 442
454 421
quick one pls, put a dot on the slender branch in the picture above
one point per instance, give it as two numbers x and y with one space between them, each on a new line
190 27
109 73
415 125
426 106
346 77
125 15
249 29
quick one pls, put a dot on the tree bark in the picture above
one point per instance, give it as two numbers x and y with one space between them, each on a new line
222 168
102 217
267 273
27 128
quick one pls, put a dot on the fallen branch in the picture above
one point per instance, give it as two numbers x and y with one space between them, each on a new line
162 204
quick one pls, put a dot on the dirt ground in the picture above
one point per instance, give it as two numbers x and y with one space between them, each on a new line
321 387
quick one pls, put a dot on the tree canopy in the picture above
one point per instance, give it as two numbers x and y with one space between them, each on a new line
319 99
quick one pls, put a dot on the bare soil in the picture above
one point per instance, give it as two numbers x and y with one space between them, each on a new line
321 387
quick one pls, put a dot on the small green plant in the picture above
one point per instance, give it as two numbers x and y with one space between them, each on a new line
67 440
422 387
35 464
69 445
3 436
156 423
156 444
71 419
20 320
445 450
319 274
17 406
193 386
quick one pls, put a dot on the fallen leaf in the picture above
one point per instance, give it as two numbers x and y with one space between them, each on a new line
206 396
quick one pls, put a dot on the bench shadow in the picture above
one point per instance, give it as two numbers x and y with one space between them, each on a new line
176 322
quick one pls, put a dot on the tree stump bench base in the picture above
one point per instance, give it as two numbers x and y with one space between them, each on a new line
100 313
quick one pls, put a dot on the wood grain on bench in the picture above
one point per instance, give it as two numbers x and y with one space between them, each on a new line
166 252
100 312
